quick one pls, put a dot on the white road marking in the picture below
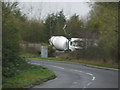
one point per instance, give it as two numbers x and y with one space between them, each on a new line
89 74
36 63
89 83
75 82
77 70
93 78
57 67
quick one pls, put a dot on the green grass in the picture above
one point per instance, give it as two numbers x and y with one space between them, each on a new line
85 62
34 76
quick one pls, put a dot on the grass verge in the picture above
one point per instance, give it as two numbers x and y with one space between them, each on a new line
85 62
33 76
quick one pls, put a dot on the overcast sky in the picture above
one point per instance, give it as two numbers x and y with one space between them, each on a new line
42 9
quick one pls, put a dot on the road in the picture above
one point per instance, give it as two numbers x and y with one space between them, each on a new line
73 75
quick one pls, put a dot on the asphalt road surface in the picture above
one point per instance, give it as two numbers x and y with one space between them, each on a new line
73 75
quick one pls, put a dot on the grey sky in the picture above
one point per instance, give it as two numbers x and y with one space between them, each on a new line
42 9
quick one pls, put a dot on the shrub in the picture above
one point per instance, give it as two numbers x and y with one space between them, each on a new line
51 51
30 50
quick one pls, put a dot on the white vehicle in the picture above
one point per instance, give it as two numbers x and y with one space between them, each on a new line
63 44
75 44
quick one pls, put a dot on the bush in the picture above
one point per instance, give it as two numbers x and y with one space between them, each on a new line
51 51
91 53
44 44
11 62
30 50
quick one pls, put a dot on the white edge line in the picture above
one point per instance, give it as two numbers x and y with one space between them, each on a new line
93 78
57 67
89 74
77 71
89 83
